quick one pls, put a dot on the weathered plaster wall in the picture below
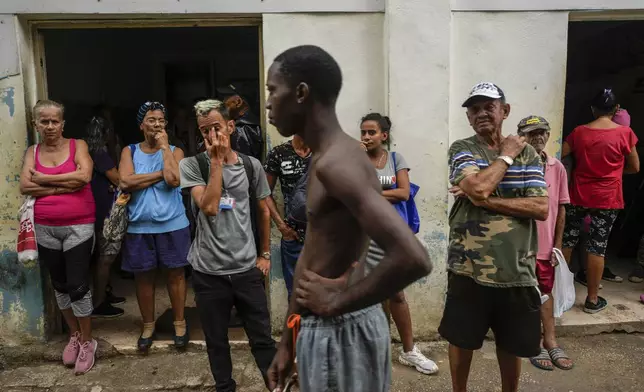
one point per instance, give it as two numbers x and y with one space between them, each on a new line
418 98
21 303
186 6
356 43
543 5
524 53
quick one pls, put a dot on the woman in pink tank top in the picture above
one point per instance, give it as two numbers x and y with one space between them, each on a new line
57 172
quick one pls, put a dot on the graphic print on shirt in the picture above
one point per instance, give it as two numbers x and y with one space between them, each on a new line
387 180
284 163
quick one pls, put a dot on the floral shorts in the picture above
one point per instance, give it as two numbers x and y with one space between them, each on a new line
601 223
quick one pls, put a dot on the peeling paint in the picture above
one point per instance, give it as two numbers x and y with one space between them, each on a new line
22 318
14 178
6 97
12 275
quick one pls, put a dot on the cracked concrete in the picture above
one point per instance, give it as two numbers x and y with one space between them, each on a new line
602 363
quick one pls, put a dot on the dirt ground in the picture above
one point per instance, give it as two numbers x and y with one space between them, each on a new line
612 363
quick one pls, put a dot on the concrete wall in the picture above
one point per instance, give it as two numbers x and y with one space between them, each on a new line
543 5
21 303
356 43
524 53
418 100
417 62
186 6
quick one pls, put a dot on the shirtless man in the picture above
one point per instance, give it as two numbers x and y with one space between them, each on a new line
344 342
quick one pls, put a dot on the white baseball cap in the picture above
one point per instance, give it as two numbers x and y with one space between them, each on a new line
484 89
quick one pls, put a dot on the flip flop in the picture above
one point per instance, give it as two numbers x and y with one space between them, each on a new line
557 354
543 356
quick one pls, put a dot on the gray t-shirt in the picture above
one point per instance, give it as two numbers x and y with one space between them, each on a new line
387 177
224 244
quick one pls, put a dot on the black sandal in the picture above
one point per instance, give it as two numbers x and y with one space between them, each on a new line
557 354
543 356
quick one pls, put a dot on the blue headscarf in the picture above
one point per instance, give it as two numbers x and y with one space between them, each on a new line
147 107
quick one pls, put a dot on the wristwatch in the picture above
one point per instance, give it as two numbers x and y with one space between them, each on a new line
509 161
266 255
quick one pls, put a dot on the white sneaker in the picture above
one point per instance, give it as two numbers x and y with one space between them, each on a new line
416 359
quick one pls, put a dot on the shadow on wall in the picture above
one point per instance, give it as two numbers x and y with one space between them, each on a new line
21 302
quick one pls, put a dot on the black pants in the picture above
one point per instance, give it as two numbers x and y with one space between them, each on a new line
215 296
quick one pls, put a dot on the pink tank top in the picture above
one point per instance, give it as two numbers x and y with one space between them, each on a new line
68 209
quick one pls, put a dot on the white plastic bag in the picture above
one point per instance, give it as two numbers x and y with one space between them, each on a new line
563 291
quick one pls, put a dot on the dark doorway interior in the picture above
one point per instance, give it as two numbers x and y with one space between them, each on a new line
122 68
611 54
91 70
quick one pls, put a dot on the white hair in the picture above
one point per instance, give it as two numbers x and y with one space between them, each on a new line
203 108
45 103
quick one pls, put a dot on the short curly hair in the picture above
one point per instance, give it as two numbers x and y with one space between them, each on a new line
314 66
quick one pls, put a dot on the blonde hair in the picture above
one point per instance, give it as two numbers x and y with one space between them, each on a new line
45 103
203 108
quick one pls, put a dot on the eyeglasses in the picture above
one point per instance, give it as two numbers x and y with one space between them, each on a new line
154 121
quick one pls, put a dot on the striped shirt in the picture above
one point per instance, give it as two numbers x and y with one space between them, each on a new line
494 249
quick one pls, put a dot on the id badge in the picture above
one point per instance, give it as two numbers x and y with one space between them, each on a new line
226 202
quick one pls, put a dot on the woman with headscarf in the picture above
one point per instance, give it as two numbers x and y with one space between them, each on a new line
57 172
158 234
603 151
104 181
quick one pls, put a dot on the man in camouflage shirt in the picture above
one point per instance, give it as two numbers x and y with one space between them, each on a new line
500 192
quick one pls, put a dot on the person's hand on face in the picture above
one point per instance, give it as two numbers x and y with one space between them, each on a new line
217 146
161 138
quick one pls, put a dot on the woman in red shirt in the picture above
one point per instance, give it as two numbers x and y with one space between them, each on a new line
603 152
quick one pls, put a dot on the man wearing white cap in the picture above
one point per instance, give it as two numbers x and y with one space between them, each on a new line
500 192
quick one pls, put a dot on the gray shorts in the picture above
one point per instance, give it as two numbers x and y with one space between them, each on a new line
347 353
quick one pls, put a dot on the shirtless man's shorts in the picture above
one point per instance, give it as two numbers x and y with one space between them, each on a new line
343 343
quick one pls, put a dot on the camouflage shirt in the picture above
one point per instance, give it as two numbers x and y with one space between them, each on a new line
494 249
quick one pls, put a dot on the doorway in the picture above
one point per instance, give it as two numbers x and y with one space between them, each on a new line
610 54
94 70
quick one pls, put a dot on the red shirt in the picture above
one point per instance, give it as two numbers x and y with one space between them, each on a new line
599 165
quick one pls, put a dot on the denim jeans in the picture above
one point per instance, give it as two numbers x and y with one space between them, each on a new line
290 251
215 296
